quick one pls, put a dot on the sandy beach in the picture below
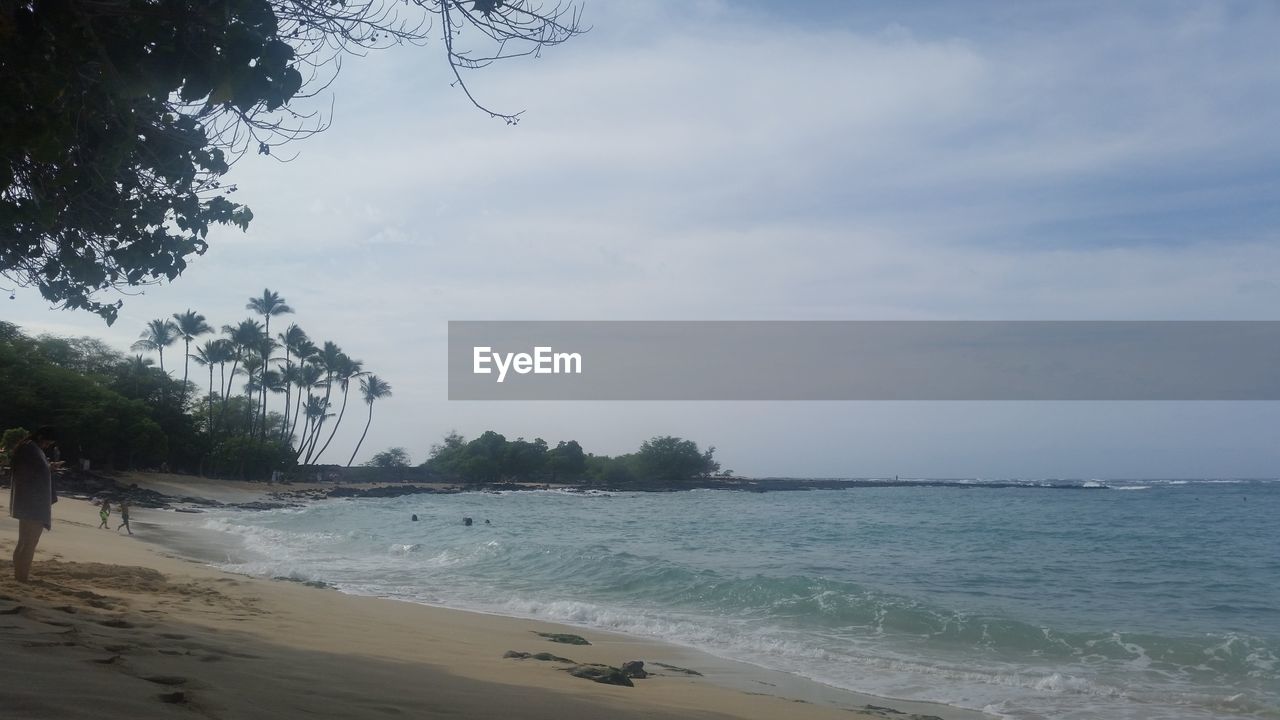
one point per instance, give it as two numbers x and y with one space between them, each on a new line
116 626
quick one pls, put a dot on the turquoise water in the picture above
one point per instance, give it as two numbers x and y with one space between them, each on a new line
1158 600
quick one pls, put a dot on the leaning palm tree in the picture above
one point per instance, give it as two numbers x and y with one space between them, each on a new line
372 388
330 359
288 379
310 377
316 410
190 325
159 335
348 369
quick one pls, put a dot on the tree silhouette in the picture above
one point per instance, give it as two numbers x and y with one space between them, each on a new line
119 119
190 324
372 388
159 335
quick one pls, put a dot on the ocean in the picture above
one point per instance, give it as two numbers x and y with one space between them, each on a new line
1151 600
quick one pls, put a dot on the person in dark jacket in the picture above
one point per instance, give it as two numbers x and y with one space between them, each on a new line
31 497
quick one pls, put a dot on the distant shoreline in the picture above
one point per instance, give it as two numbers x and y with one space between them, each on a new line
165 490
192 493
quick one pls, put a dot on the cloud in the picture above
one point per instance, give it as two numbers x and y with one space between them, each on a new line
741 161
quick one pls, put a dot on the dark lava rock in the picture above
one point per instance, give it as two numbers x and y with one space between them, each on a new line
383 491
565 638
544 656
309 583
634 669
261 505
601 674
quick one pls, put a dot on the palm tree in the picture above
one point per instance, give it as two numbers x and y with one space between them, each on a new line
253 367
288 378
316 410
226 352
266 346
347 369
190 324
159 335
208 355
272 381
137 368
310 376
269 305
292 339
329 358
372 388
242 338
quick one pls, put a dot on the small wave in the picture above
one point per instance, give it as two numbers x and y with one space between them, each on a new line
1133 487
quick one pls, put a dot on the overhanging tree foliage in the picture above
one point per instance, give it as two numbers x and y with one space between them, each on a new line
119 118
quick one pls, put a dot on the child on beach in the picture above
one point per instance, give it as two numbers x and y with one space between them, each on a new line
124 517
104 512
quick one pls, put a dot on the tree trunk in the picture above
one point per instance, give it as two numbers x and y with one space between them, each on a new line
366 432
297 413
226 395
288 393
345 391
186 363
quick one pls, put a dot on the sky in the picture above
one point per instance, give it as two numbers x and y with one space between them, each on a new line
750 160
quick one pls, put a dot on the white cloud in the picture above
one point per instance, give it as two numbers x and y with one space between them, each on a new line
711 162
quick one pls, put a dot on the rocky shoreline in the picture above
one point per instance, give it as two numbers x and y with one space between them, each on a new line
91 485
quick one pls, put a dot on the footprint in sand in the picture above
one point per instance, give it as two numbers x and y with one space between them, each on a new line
175 698
116 623
166 679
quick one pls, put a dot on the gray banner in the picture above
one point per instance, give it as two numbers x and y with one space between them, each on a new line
864 360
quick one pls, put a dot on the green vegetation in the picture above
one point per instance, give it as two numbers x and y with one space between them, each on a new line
492 458
258 404
118 120
391 457
122 411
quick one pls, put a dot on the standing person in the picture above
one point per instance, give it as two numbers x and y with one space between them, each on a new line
31 497
124 517
104 512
